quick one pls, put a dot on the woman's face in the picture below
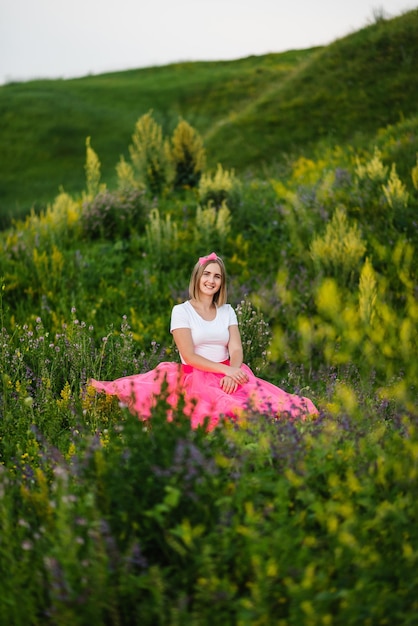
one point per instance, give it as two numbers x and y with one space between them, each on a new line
211 279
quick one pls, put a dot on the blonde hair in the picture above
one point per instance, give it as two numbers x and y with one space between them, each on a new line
220 296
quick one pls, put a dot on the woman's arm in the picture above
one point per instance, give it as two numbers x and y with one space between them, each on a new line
235 347
184 342
229 383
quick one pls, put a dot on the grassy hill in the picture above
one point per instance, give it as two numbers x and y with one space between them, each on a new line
346 92
251 112
45 123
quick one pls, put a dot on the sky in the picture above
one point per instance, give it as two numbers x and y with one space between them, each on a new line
72 38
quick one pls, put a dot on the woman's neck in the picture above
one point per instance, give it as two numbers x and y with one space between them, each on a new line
204 303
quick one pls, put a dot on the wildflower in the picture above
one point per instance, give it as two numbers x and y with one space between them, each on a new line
23 523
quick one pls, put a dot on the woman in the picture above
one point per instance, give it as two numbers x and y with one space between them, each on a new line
212 378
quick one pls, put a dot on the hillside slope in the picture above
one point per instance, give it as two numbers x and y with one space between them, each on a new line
251 112
45 123
345 93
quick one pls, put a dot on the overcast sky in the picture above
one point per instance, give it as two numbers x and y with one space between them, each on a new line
70 38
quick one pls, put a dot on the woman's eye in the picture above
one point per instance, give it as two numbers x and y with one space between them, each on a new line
206 274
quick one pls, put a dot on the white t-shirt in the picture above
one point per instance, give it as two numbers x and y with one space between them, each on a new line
210 339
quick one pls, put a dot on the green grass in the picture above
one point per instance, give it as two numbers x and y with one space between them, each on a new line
252 112
45 123
344 93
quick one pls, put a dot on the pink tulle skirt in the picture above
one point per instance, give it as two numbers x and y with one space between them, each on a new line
203 396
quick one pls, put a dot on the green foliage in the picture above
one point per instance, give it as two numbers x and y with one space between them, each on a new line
253 114
343 94
187 155
381 193
395 192
414 175
340 250
126 176
367 293
41 149
255 336
148 154
372 170
114 214
222 186
399 144
154 521
212 227
105 518
92 168
59 223
162 239
371 175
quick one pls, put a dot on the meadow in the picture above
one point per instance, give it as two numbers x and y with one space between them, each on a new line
109 519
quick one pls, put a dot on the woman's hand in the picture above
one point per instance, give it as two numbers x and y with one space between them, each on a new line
238 375
228 384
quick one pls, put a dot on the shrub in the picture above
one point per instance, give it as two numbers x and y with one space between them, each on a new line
395 192
187 155
340 250
212 227
92 168
223 186
126 176
114 214
370 176
58 224
161 239
149 155
255 336
373 169
414 175
367 292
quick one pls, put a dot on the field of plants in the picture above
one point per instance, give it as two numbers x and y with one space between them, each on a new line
253 113
109 519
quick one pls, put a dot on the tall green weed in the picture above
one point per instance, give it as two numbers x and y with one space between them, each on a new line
187 155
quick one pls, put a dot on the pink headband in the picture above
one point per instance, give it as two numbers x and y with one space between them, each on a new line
211 257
